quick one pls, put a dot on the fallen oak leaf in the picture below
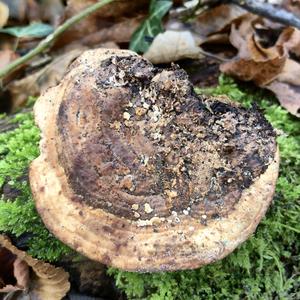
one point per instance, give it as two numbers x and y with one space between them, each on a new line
172 46
286 87
253 62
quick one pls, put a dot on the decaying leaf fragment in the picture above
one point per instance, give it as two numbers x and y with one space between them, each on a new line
4 13
172 46
39 81
45 281
109 15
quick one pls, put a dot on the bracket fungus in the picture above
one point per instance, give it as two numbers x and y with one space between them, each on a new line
138 172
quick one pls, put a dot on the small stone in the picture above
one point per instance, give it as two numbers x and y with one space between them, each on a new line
146 105
155 220
135 206
136 214
148 208
185 212
116 125
130 104
145 160
126 115
128 123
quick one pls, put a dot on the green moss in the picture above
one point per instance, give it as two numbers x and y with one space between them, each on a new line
267 265
18 216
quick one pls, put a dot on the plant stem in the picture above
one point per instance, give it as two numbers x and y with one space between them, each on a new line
44 44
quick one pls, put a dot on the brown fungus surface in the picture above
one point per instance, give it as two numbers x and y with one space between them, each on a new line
134 165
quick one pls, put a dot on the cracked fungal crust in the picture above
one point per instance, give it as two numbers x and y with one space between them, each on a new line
134 164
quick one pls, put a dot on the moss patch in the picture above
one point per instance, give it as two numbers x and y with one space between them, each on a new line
267 265
18 216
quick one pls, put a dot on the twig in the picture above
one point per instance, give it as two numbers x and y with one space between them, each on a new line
44 44
269 11
211 55
263 9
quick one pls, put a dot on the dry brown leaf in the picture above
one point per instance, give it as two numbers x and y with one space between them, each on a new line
260 72
217 19
104 18
20 272
4 14
39 81
46 281
253 61
119 33
288 96
290 40
14 273
290 73
172 46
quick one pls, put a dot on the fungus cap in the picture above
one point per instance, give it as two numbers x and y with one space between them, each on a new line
138 172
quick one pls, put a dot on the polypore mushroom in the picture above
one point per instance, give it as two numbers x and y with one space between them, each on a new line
138 172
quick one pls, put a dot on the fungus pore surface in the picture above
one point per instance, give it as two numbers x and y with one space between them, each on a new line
143 166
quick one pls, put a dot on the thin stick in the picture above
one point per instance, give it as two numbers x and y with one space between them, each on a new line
44 44
264 9
269 11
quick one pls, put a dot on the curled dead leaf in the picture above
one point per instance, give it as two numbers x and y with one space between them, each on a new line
253 61
172 46
14 273
45 281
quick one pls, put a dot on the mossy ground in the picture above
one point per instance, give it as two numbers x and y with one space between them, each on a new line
18 216
267 266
